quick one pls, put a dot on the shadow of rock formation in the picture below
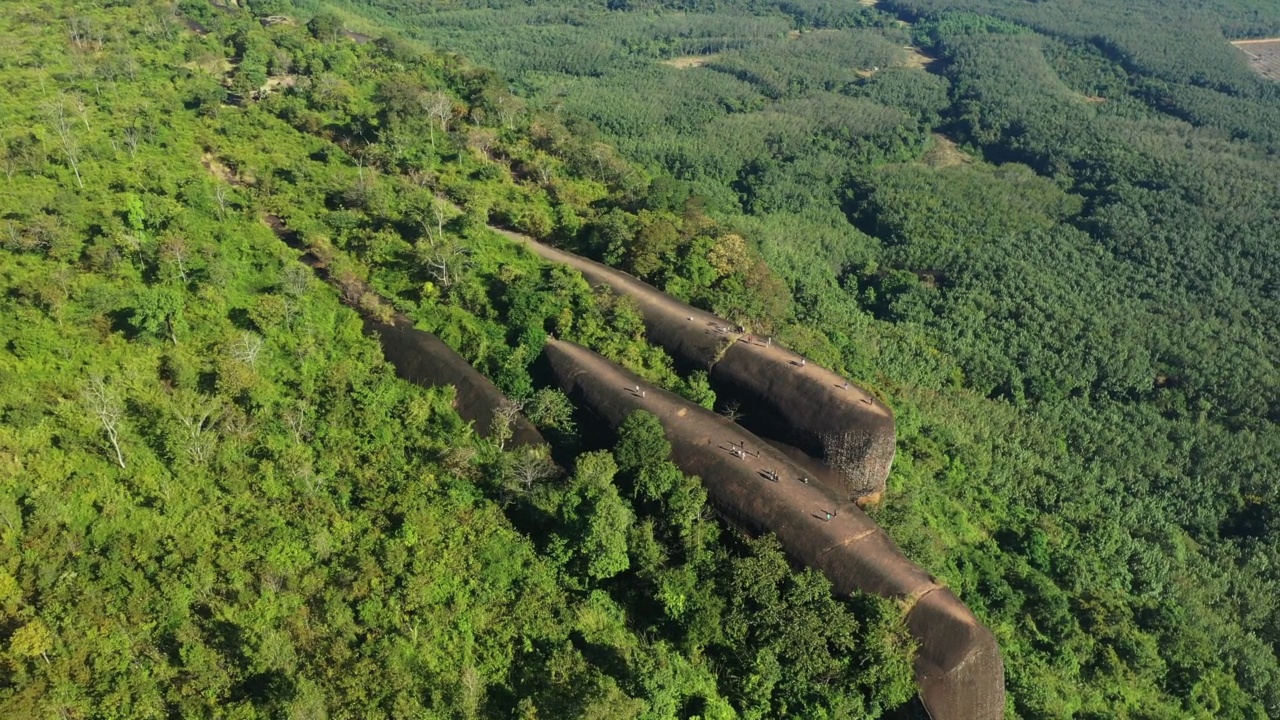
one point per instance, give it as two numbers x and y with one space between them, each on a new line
759 489
785 397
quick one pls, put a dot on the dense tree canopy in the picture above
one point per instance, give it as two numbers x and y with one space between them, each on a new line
1044 230
216 499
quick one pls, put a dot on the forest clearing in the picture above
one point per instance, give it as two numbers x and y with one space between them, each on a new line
1263 54
685 62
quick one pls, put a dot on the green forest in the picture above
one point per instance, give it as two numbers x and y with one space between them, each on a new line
1045 233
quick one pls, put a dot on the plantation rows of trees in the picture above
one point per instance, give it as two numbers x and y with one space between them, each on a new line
216 499
1045 232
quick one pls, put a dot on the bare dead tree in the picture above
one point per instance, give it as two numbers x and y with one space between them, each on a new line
443 262
131 137
460 460
296 419
439 108
56 111
78 29
220 195
733 412
246 348
472 690
104 403
198 415
504 420
238 424
530 468
432 221
133 243
82 110
295 280
175 251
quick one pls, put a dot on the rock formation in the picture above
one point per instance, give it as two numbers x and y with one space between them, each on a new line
759 489
424 359
785 397
417 355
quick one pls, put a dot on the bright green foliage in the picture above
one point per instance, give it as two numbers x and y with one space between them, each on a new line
1051 249
215 497
593 513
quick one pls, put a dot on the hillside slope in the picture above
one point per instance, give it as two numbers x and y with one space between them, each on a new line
216 499
1071 312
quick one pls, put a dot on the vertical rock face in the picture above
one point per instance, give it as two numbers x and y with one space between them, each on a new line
810 408
784 397
959 664
758 488
422 358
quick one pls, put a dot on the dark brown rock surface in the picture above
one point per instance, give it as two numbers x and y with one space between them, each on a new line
785 397
959 667
424 359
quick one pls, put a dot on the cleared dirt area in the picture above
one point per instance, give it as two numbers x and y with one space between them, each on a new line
1263 54
689 61
219 169
276 83
943 152
916 58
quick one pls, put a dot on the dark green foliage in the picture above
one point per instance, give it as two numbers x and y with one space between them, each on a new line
1053 251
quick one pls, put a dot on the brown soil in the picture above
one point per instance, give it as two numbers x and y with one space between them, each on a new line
689 61
943 152
358 37
220 170
1263 55
916 58
194 26
760 490
275 83
218 67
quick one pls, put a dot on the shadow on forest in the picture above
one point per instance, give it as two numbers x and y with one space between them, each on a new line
122 322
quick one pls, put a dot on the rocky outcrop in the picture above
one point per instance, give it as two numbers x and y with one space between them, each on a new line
784 397
424 359
417 355
759 489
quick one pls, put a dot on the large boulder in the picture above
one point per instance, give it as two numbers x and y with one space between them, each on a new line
759 489
782 396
